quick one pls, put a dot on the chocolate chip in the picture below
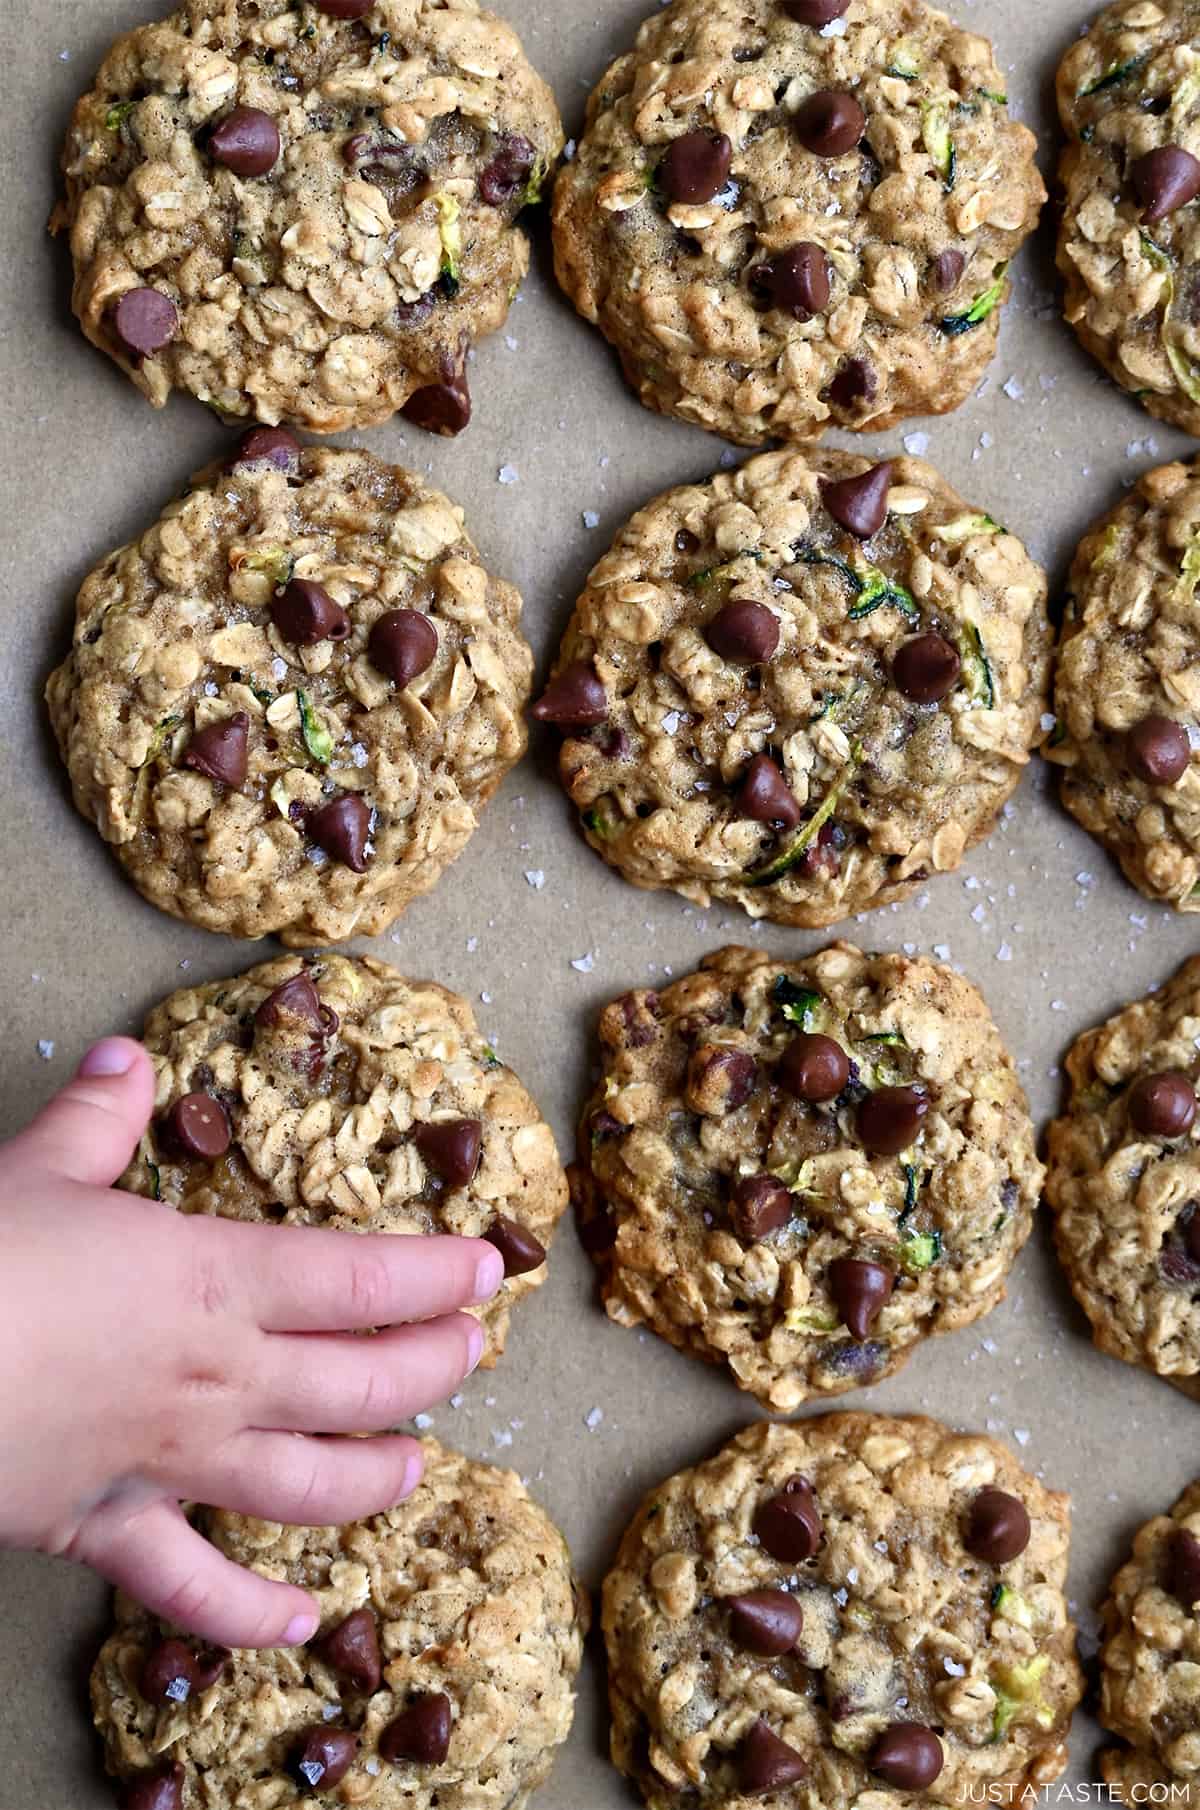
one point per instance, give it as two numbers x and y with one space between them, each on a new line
342 828
744 631
761 1205
246 142
508 172
696 167
421 1733
796 281
854 384
830 123
1163 1105
296 999
1164 180
574 699
814 1068
890 1119
451 1148
719 1080
766 1622
198 1126
818 13
859 1290
344 9
908 1755
403 645
323 1757
161 1790
789 1524
946 270
210 1666
1183 1567
859 504
926 668
305 613
763 795
1191 1235
516 1244
766 1764
146 321
441 408
352 1651
1158 750
998 1527
218 751
270 446
169 1674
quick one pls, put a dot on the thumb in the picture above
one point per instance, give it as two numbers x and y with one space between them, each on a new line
90 1130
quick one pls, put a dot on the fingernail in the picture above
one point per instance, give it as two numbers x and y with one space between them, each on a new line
474 1345
489 1275
300 1629
111 1056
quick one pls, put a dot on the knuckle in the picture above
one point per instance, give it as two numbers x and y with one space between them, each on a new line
369 1288
185 1601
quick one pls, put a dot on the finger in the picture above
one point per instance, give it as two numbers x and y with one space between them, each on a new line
309 1482
325 1384
90 1130
158 1558
309 1280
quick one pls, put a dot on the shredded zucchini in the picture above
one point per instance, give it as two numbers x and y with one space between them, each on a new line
980 308
317 738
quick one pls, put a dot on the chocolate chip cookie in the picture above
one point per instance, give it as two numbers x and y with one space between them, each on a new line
851 1609
800 1169
1124 1181
1148 1680
794 214
1129 240
288 702
443 1672
306 212
1127 686
803 687
334 1092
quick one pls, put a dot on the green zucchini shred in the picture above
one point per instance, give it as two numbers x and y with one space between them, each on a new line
317 738
920 1250
1113 75
983 305
936 137
795 852
700 581
977 668
799 1005
117 114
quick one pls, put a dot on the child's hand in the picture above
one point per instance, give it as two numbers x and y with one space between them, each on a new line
146 1357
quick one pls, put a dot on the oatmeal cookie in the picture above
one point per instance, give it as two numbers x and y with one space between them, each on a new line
783 228
800 1169
803 686
1151 1661
305 212
1127 686
443 1672
334 1092
1129 240
287 703
850 1610
1124 1181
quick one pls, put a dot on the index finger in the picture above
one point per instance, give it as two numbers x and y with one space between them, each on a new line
305 1279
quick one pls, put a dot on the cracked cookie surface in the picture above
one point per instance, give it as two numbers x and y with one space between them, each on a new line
805 1226
1124 1181
901 1622
1127 690
1149 1661
807 274
468 1589
324 1095
1128 93
303 217
250 611
877 784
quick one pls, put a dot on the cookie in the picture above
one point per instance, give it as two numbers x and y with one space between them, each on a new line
287 703
1129 238
442 1674
1124 1181
802 687
1127 690
783 228
1149 1662
800 1169
306 212
334 1092
851 1609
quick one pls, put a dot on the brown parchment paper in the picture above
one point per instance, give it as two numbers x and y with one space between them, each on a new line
529 924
